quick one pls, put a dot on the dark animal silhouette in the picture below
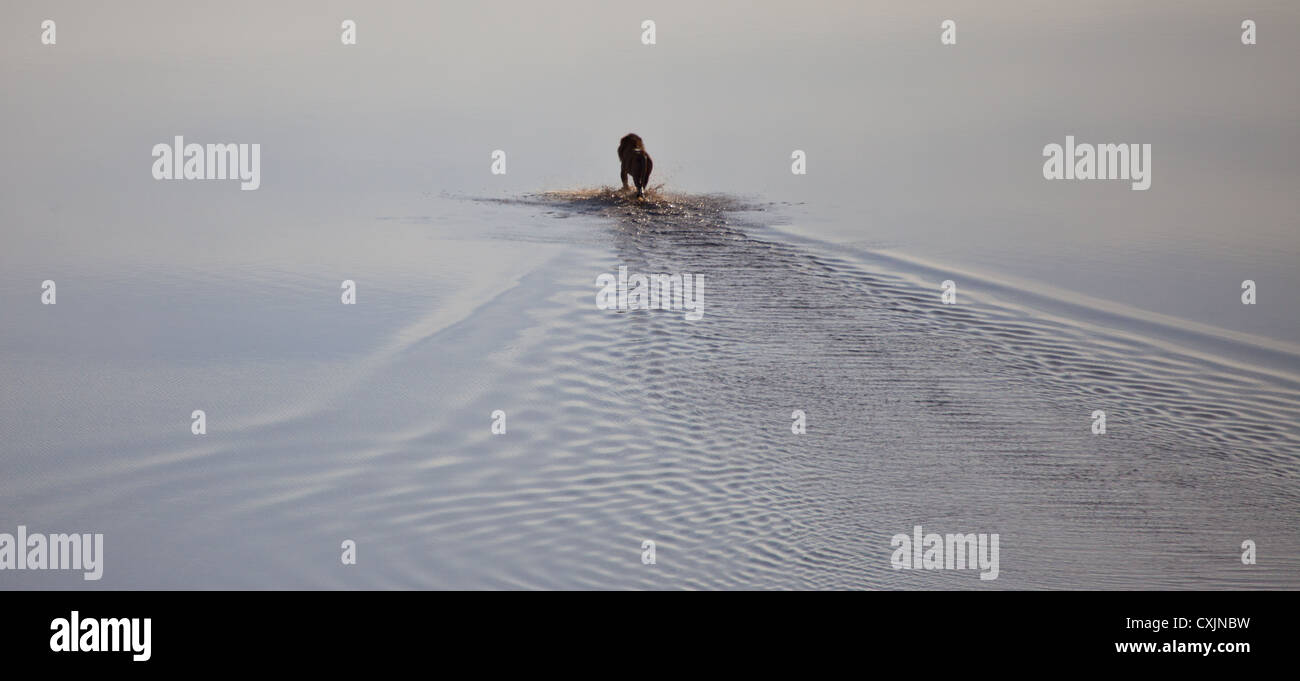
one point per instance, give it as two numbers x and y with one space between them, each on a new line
635 162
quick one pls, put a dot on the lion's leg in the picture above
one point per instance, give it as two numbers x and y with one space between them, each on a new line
623 176
649 167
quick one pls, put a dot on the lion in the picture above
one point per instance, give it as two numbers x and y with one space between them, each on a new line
635 162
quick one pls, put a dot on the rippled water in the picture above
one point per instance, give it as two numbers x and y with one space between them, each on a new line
632 425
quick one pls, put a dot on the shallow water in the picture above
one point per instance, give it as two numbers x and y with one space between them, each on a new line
631 425
477 292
